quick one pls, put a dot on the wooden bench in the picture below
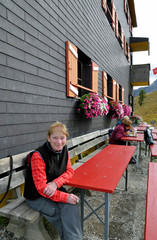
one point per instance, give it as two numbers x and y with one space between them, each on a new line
151 203
153 150
25 221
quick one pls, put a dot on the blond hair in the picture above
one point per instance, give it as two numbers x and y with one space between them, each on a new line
127 122
125 117
58 126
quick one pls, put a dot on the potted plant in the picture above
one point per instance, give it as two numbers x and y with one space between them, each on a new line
127 110
116 110
136 119
92 105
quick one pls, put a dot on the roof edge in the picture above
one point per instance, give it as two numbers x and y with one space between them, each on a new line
132 12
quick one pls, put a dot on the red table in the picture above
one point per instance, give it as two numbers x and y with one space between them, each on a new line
154 131
102 173
142 128
154 136
139 138
144 125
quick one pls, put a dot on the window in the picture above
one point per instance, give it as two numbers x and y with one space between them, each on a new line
128 52
82 73
126 49
119 34
120 93
111 89
109 86
127 14
126 8
109 9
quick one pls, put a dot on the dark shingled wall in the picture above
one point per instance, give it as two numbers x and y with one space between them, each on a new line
33 66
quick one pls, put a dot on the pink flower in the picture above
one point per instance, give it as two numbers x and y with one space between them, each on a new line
92 105
116 109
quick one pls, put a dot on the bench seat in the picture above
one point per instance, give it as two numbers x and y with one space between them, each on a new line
25 221
20 210
153 150
151 203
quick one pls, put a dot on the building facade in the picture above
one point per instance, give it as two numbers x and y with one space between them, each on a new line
52 52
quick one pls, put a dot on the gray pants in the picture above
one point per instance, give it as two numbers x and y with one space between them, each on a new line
64 216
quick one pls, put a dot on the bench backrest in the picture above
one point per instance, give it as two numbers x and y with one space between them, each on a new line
76 147
17 174
80 144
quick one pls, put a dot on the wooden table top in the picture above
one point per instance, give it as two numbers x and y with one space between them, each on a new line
138 138
104 170
140 128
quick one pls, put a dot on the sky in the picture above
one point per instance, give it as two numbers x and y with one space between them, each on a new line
146 16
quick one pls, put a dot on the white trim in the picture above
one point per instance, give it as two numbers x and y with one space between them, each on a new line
105 5
95 68
106 98
73 50
105 74
114 83
73 89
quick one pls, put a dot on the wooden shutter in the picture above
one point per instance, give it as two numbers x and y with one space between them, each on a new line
71 69
104 5
113 16
128 53
114 89
116 25
104 82
125 6
122 38
130 25
122 95
128 14
125 51
95 70
117 92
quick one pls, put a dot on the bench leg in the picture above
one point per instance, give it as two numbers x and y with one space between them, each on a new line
36 230
126 179
16 227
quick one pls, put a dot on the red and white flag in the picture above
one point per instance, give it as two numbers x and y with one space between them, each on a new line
155 71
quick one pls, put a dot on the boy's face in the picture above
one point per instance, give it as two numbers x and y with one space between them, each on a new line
57 140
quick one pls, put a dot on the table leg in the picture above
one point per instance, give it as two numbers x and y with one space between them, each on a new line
140 148
107 206
137 157
82 208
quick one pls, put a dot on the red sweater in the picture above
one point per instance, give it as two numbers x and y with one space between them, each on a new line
117 134
40 180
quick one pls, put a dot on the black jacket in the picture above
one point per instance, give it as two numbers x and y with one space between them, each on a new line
56 164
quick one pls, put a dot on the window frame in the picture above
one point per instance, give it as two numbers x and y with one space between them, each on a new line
116 87
72 73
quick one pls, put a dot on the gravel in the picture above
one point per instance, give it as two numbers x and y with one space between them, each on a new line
127 209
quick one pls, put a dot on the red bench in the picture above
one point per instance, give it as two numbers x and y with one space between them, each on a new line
153 150
151 203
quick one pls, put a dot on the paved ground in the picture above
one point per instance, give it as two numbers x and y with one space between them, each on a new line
127 209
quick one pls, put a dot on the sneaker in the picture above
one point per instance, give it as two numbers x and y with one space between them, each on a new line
132 161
